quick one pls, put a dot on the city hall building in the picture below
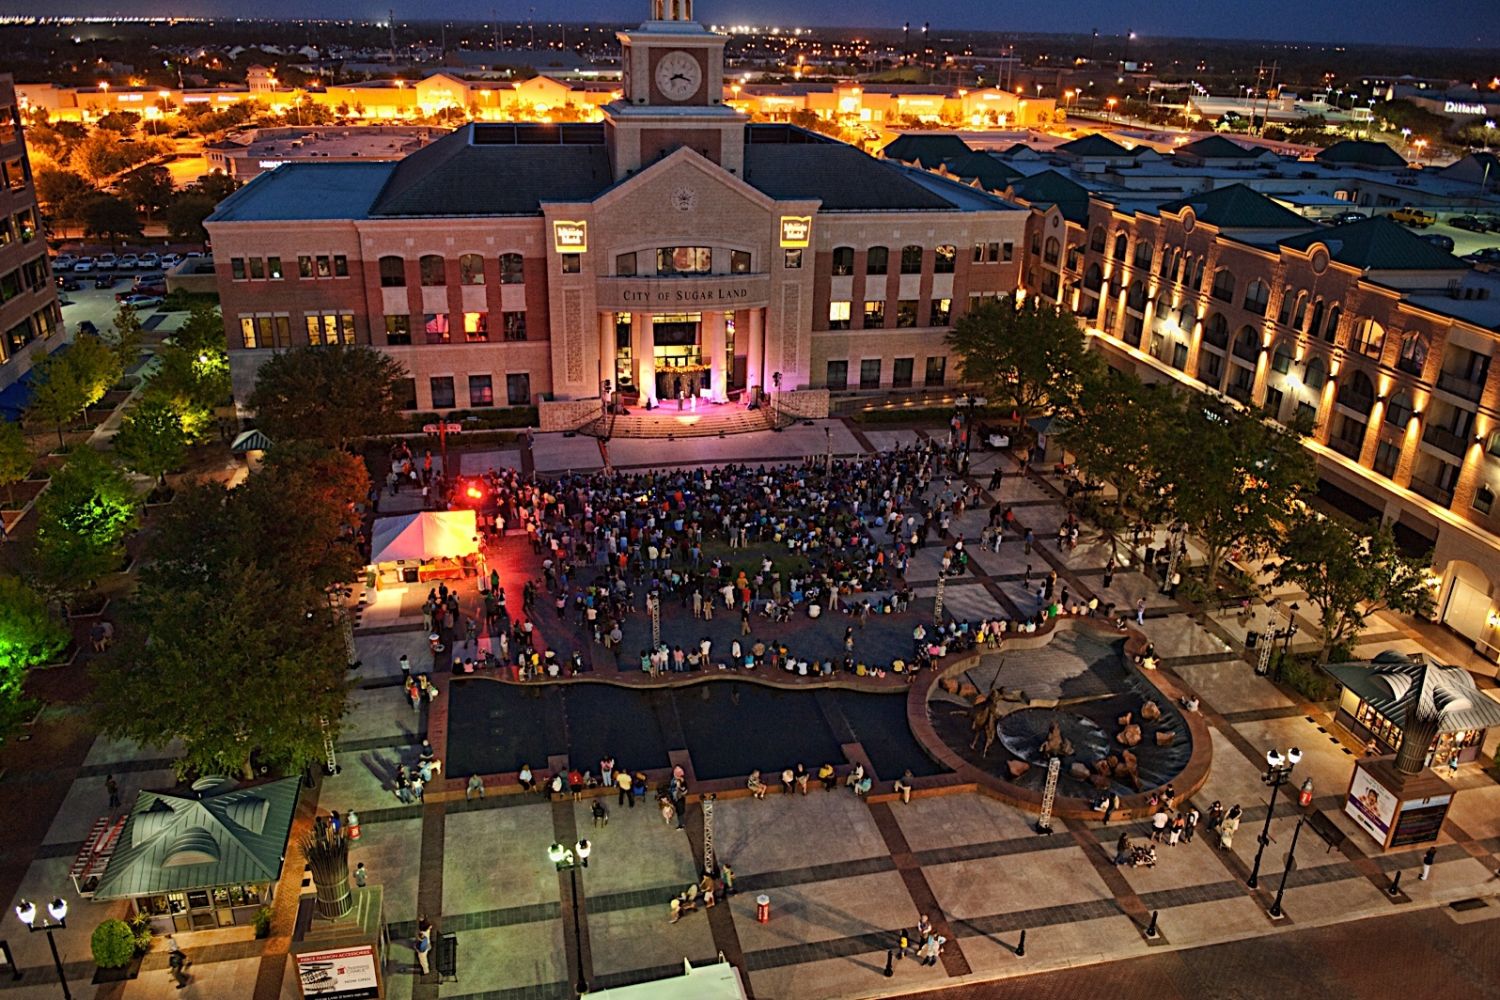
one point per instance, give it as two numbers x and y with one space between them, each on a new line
671 247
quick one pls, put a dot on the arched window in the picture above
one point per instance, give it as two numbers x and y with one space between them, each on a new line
1093 278
392 272
1216 331
1143 254
1051 250
511 272
1247 345
1284 313
1358 393
1257 295
431 267
944 258
1281 361
911 259
1331 331
1176 273
1370 338
471 269
877 260
843 261
1199 266
1223 289
1299 314
1398 411
1316 375
1096 239
1135 298
1413 354
1122 242
1315 324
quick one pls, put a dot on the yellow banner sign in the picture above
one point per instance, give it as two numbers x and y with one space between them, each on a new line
796 231
570 237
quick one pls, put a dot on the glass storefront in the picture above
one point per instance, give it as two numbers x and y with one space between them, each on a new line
204 909
1365 722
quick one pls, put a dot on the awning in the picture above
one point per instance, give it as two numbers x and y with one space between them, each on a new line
94 856
251 440
425 535
16 397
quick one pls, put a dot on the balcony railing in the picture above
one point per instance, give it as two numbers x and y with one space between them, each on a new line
1460 385
1446 440
1431 491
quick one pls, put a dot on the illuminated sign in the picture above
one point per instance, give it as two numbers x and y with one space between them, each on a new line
270 164
1459 108
796 231
570 237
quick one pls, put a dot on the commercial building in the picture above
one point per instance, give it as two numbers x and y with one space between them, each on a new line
245 154
30 319
671 246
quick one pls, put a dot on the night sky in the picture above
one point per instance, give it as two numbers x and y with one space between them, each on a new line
1459 23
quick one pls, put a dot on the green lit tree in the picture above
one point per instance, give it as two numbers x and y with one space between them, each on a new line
15 458
332 396
1350 573
151 440
30 635
1031 352
57 394
192 372
126 335
82 520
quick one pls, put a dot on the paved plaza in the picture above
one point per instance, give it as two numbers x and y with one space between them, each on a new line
844 875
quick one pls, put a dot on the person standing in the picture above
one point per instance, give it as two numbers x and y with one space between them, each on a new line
424 944
113 788
474 787
361 877
1427 860
1228 827
1140 611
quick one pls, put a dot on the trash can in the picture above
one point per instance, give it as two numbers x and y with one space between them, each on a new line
1251 638
351 825
763 909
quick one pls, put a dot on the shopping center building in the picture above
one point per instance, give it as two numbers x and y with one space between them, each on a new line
672 245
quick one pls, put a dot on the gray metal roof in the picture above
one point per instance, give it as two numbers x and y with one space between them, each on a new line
1397 685
842 177
219 833
306 192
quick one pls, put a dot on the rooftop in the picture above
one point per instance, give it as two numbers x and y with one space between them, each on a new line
1236 206
1364 153
1052 188
1378 245
1096 144
926 149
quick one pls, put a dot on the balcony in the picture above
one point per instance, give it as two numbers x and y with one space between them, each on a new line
1461 385
1432 491
1445 440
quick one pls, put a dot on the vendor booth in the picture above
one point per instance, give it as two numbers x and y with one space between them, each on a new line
426 545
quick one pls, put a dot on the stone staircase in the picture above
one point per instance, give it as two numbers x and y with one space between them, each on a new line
669 422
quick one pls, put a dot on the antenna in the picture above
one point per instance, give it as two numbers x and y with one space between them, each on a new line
495 16
391 23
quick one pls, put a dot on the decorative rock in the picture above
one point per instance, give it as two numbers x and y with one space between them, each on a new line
1078 771
1100 781
968 692
1129 736
1017 768
949 684
1165 737
1150 712
1125 719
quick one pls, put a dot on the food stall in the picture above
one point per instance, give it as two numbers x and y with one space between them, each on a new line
424 546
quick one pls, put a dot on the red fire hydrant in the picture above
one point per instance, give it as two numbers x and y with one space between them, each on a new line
763 909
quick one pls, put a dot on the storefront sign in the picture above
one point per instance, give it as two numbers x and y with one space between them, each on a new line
1371 805
1460 108
683 294
340 974
722 295
570 237
796 231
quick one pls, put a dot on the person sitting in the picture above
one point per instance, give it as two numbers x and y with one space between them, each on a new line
903 785
756 786
828 777
855 776
862 786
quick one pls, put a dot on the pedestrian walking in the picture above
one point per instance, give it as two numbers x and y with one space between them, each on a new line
1140 611
424 945
361 877
177 961
1191 824
1427 860
113 788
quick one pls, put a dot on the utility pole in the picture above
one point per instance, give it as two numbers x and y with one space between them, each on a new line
391 23
495 16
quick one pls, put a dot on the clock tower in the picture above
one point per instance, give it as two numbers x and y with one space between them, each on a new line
673 94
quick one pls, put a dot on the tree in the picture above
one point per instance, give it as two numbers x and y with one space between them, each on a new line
185 215
192 373
1232 477
149 189
1031 352
109 217
126 335
15 458
1350 573
56 395
56 187
30 635
330 395
123 122
100 156
151 440
1118 433
83 517
217 185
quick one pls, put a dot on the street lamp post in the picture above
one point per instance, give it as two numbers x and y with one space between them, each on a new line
1291 862
570 859
1278 772
775 394
58 908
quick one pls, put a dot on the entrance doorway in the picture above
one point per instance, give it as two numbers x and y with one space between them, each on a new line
678 354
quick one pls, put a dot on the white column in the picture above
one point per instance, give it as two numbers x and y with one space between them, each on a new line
643 354
607 348
755 351
713 342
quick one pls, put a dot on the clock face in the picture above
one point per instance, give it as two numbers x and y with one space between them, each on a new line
678 76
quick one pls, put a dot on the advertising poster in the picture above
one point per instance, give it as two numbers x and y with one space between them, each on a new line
1371 806
339 974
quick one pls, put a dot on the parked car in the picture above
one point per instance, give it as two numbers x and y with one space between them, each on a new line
64 262
1343 217
1472 223
105 280
1414 217
1489 255
88 327
105 262
84 265
150 260
195 253
137 301
68 283
171 259
128 262
1440 241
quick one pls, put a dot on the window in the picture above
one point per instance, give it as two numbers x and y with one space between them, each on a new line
937 369
739 262
442 392
432 272
906 312
1413 354
1398 411
237 268
1007 251
321 329
273 268
1331 331
304 266
346 327
518 389
979 253
1096 239
1223 289
1051 250
572 263
340 265
877 260
323 269
1300 312
838 375
1143 252
625 265
1316 375
511 269
1484 499
869 373
404 392
481 390
684 260
911 259
398 330
392 272
1370 338
514 324
283 327
1315 324
1257 297
471 269
435 326
1387 457
1281 361
875 314
838 315
257 269
1122 242
247 333
476 327
1247 345
792 260
942 312
944 258
901 372
843 261
1284 313
1216 331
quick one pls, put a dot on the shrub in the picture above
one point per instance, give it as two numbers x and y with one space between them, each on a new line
113 944
1304 676
140 926
263 922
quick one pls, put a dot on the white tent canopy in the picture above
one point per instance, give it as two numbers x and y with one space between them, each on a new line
720 981
427 534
